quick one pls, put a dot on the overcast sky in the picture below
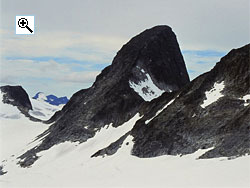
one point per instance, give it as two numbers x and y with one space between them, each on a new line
75 39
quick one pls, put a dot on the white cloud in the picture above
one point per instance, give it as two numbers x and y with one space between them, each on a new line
47 76
199 25
17 69
73 45
81 77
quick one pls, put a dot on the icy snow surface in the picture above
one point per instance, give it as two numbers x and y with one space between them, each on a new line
69 165
146 88
214 94
42 109
158 112
8 111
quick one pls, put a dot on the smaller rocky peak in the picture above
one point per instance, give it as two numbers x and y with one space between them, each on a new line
16 96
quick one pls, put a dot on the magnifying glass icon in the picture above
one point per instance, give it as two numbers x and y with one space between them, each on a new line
23 23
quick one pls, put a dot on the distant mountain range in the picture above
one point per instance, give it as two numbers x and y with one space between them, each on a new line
51 99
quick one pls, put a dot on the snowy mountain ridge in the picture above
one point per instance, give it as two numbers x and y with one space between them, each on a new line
51 99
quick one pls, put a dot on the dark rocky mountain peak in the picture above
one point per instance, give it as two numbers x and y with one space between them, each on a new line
155 52
148 65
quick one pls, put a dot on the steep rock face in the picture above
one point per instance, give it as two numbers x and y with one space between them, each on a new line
148 65
16 96
211 111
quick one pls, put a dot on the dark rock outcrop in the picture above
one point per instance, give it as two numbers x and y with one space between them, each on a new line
154 53
187 125
16 96
2 172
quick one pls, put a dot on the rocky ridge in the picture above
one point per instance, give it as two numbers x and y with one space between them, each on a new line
212 111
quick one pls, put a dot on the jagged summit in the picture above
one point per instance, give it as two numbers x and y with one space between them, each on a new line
148 65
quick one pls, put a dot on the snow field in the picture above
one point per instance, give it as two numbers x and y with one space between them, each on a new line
214 94
69 164
146 88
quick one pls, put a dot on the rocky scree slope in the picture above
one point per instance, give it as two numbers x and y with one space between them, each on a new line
210 112
148 65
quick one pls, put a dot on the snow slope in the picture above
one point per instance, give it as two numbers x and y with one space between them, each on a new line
8 111
146 88
16 131
42 109
70 165
214 94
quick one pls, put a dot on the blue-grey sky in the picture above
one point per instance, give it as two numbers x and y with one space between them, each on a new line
74 40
